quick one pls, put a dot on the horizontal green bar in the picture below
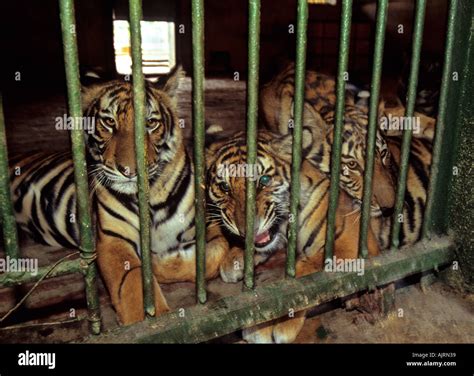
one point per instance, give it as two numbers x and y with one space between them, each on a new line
205 322
252 115
300 69
17 278
7 215
199 142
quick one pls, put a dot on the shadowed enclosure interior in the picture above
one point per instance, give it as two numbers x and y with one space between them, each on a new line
361 38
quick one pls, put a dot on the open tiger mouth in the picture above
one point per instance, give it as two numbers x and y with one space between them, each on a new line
262 239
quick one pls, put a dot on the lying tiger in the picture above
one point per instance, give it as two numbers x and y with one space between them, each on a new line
44 196
277 103
226 193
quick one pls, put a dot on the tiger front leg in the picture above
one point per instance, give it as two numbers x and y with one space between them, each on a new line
232 266
121 270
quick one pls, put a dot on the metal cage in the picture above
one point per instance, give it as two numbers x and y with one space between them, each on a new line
446 236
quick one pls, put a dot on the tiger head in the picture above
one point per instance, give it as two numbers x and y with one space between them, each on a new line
227 174
277 111
111 143
353 156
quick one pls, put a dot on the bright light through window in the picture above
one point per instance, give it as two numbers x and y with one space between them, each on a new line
158 47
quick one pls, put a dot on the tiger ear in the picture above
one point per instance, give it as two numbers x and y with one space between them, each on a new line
169 84
313 120
283 145
89 93
211 152
93 80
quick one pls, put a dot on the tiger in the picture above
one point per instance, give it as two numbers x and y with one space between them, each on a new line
45 199
226 193
418 177
277 104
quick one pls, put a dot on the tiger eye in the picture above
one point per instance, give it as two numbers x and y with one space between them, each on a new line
265 180
153 123
224 186
108 121
352 164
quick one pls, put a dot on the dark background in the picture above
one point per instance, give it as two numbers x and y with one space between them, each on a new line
31 44
31 36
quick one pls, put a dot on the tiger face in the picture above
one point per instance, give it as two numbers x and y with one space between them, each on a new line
111 145
226 190
353 158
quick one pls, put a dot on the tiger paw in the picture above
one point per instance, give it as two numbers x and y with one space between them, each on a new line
232 268
278 331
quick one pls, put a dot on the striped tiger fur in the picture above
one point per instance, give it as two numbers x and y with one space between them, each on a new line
45 201
277 103
226 194
415 195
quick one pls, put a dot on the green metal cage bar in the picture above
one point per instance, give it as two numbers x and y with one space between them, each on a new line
87 248
434 187
10 235
139 107
300 70
252 117
273 300
381 23
407 135
199 155
344 43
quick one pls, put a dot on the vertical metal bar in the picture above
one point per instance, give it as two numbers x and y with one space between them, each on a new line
373 120
252 114
199 155
87 247
300 69
344 44
10 235
139 107
406 141
441 121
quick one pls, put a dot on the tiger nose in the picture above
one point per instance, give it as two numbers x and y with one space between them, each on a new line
126 171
